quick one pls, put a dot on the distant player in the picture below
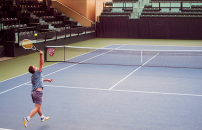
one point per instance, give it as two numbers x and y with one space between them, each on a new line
36 93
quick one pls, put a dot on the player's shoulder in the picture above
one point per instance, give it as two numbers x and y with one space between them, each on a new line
37 72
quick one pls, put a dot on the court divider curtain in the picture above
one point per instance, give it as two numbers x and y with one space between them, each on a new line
118 28
150 28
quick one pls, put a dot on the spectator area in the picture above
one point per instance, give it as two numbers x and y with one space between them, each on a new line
151 20
37 22
29 19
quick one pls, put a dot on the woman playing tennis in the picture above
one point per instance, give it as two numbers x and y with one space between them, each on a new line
37 87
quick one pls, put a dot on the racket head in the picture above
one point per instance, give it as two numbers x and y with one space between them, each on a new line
27 44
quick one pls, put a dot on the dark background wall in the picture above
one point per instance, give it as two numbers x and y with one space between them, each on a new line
150 28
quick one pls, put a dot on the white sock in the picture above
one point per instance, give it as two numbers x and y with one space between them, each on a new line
42 116
28 118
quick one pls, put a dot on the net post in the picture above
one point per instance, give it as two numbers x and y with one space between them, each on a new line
64 53
56 35
141 58
70 32
45 37
18 36
65 32
45 53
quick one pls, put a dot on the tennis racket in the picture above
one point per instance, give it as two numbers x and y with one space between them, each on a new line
27 44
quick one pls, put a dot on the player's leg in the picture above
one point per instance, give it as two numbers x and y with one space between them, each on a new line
43 118
40 112
32 113
37 99
35 110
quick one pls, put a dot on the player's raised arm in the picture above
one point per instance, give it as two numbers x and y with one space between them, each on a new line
40 61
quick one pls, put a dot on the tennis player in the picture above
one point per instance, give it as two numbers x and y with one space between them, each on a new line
37 87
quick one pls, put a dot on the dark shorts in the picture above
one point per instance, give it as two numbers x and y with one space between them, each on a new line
37 97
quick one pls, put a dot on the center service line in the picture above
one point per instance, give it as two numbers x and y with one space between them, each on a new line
133 72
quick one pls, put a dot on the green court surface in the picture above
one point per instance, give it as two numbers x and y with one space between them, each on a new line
19 65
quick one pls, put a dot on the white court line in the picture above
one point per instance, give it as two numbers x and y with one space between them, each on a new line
61 69
5 129
125 77
132 72
14 87
129 91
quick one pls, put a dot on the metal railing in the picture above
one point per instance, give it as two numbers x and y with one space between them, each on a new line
3 38
55 34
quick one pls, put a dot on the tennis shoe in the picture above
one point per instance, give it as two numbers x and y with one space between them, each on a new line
44 119
25 122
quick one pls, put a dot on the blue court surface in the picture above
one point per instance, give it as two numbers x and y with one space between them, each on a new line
108 97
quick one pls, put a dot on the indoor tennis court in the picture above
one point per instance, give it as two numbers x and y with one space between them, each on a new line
93 95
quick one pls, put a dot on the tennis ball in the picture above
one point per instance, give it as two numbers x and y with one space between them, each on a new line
35 34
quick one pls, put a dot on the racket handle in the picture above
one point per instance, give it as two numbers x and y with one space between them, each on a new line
37 50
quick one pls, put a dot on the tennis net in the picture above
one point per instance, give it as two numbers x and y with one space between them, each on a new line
124 57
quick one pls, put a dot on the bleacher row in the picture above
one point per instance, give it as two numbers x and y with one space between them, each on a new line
171 16
6 2
195 11
126 1
24 17
107 12
113 16
9 21
116 13
191 9
172 13
189 1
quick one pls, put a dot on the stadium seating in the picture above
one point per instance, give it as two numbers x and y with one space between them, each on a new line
191 9
39 13
189 1
107 9
157 20
196 6
32 14
195 11
108 4
128 9
21 20
4 15
151 9
111 12
126 1
171 13
115 13
113 17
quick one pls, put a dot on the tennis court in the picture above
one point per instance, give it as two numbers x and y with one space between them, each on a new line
89 95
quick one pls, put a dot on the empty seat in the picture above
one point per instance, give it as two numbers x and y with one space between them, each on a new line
151 9
115 13
128 9
108 4
107 9
113 16
121 1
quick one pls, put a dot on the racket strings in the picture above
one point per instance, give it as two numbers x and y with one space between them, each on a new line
27 44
